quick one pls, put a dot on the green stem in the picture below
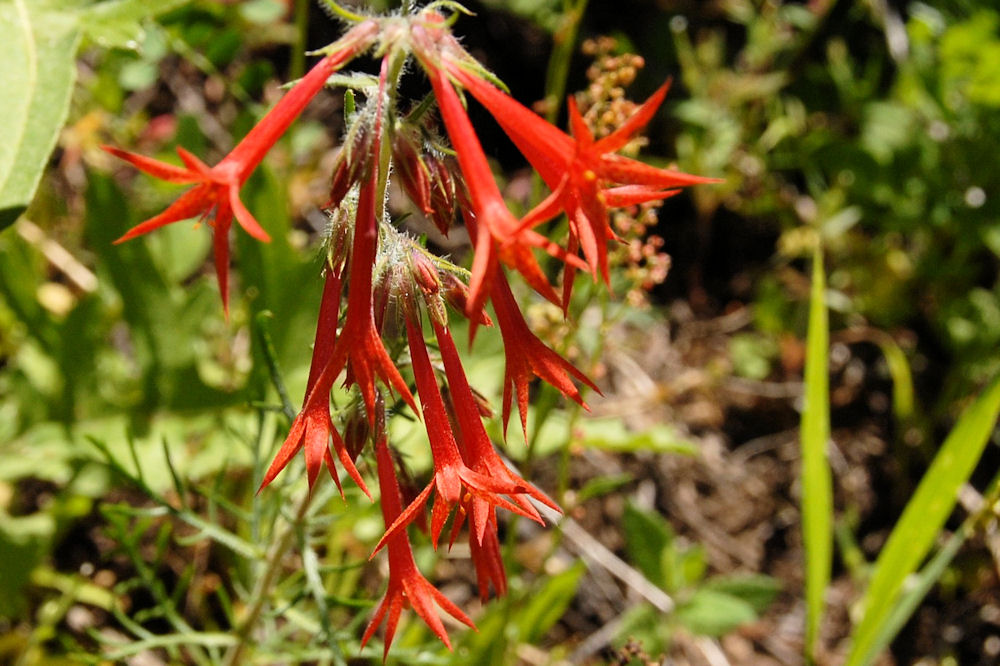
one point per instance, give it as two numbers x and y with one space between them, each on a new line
564 42
557 73
264 583
298 65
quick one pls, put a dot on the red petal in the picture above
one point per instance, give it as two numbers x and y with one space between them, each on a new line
244 217
162 170
193 163
615 141
197 200
631 195
618 169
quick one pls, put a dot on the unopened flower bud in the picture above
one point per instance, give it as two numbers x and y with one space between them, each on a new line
413 171
445 191
424 272
456 293
355 433
353 161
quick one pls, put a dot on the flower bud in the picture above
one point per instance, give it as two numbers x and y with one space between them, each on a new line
444 192
353 162
355 433
413 171
424 272
456 293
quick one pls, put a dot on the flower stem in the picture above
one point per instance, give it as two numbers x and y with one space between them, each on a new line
298 65
261 590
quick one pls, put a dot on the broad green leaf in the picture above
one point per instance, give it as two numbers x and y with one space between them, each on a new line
647 536
757 590
119 23
817 485
37 51
922 519
38 44
24 541
712 613
549 603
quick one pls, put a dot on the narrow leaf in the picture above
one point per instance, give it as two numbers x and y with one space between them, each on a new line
817 485
922 519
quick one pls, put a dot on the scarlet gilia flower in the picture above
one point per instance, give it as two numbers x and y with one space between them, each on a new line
453 479
313 429
359 346
487 559
476 448
585 175
528 357
216 195
498 235
407 587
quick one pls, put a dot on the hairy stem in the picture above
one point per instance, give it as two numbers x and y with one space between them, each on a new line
261 590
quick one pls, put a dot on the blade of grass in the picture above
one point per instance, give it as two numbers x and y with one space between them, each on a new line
917 587
922 519
817 485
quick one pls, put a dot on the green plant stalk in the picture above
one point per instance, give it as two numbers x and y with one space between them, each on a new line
557 72
922 519
564 41
910 599
817 483
264 584
298 65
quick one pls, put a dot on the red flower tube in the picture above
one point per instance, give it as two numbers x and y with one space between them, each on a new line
406 585
216 195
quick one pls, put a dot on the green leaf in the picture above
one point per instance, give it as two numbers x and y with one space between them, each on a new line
37 51
611 434
712 613
24 542
549 603
817 485
647 536
119 23
602 485
922 519
757 590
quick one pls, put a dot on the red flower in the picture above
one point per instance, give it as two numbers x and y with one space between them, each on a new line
485 556
313 428
407 587
217 189
527 357
453 479
488 561
498 235
585 175
475 445
359 346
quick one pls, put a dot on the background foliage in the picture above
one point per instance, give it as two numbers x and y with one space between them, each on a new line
135 420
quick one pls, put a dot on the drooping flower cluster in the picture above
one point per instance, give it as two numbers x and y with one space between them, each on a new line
380 282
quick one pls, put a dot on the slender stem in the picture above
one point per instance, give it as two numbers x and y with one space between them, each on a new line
264 583
298 65
564 41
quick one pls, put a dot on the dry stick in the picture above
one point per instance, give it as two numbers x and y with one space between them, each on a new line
58 256
260 591
594 552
